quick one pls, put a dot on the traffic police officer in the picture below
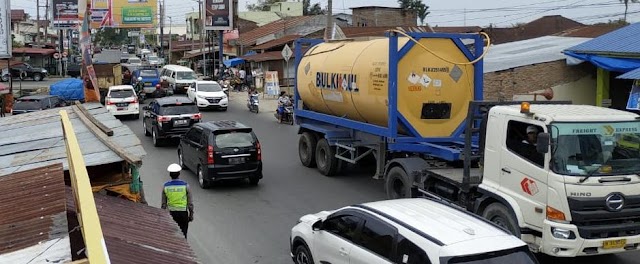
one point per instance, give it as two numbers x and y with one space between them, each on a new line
176 197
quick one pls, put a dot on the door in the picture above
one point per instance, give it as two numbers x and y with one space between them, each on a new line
524 170
191 93
151 116
333 243
375 242
190 147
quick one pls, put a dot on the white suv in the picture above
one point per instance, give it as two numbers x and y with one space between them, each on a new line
122 100
208 94
417 230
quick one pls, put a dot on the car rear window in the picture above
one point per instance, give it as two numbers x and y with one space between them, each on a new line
124 93
178 109
148 73
28 100
234 139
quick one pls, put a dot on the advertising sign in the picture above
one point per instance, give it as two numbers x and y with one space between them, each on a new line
100 13
633 103
272 87
5 29
65 14
133 13
219 15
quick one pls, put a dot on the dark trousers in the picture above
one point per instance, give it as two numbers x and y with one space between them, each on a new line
182 218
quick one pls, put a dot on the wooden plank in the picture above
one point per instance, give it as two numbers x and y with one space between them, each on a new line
91 118
132 159
45 131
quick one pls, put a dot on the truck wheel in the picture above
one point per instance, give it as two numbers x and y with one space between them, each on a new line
307 149
500 215
326 158
397 184
6 77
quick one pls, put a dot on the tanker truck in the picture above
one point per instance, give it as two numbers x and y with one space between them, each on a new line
552 173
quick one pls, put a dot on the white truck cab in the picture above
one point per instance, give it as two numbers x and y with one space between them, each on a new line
574 188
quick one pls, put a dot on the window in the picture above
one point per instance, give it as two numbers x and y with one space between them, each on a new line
194 135
148 73
121 93
234 139
521 140
187 75
409 253
377 237
179 109
343 226
209 87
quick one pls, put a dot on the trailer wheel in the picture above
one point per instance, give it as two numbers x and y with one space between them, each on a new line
500 215
397 184
307 149
326 158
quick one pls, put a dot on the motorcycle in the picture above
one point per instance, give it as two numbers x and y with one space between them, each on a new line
287 114
225 87
253 102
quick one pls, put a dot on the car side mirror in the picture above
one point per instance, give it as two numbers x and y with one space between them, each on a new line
317 225
543 142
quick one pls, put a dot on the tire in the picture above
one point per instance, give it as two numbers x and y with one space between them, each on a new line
136 116
307 149
204 184
326 162
302 255
6 77
144 126
397 184
254 180
500 215
180 159
156 141
37 77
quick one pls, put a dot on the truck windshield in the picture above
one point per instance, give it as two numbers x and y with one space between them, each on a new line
517 255
598 149
187 75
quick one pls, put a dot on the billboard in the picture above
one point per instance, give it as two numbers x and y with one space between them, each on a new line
219 15
65 14
99 13
5 29
133 13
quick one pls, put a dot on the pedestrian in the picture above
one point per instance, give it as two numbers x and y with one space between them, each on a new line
2 106
176 197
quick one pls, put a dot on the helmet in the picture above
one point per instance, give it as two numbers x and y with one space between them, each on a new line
164 78
140 78
174 168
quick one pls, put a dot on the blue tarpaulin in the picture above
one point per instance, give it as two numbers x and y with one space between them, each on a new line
607 63
68 89
233 62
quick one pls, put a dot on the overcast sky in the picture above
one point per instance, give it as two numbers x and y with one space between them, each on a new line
501 13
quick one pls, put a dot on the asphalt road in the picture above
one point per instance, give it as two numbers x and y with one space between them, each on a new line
237 223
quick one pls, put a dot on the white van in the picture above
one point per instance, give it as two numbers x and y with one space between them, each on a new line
179 77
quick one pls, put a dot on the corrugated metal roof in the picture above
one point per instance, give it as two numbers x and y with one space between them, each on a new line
35 139
632 75
266 56
33 211
277 42
138 233
250 38
34 51
621 41
528 52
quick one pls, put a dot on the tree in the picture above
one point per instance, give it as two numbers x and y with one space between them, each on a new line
308 9
419 7
111 36
262 5
626 6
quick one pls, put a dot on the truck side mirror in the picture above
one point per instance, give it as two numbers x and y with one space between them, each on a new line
317 225
542 145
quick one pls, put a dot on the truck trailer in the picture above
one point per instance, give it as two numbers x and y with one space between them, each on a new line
562 177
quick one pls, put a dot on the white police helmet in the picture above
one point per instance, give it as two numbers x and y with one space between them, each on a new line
174 168
139 79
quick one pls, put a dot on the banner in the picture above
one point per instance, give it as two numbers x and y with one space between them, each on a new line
123 13
5 29
65 14
219 15
633 103
272 87
100 15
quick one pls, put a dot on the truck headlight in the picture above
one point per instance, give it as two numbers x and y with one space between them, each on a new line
562 233
44 71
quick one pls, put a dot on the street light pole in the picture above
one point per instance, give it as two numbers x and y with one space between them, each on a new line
204 54
170 38
162 7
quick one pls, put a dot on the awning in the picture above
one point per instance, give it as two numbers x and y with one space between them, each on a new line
607 63
233 62
632 75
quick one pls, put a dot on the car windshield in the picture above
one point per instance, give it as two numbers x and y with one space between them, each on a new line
186 75
134 60
209 87
518 255
179 109
153 58
121 93
606 148
234 139
148 73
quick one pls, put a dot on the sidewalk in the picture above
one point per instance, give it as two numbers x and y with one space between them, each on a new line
268 104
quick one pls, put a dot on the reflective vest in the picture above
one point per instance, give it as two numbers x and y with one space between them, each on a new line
176 192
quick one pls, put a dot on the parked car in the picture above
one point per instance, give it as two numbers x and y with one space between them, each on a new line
417 230
74 69
33 103
208 94
122 100
24 71
169 117
150 78
221 150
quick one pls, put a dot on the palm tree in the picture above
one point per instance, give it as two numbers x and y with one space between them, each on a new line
626 6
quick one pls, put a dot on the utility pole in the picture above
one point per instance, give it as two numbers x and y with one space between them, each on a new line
204 54
327 31
170 38
162 7
46 19
38 21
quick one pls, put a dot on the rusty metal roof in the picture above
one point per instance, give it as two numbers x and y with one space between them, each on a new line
138 233
32 214
250 38
277 42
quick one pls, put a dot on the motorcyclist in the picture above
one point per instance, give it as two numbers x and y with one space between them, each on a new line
283 100
164 85
139 87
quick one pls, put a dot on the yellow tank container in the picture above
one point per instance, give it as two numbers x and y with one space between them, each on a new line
350 79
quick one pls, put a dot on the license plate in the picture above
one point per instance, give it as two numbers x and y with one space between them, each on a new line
233 161
181 122
121 108
147 84
610 244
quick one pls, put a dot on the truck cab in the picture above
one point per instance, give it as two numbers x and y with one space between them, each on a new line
575 185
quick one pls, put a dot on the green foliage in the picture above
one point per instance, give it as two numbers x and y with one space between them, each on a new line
309 9
262 5
417 6
111 36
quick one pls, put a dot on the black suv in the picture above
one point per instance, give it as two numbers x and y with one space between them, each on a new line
23 71
33 103
221 150
169 117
